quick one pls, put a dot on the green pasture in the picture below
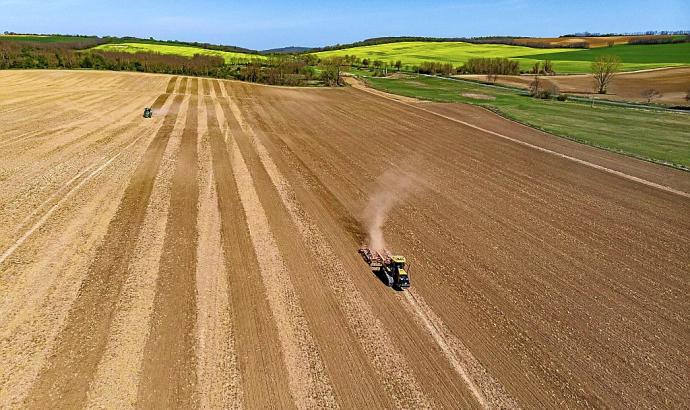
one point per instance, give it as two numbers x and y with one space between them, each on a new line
678 53
185 51
652 134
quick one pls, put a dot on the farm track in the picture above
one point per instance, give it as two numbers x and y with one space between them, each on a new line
207 257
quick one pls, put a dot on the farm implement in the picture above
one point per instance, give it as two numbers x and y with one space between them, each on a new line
392 269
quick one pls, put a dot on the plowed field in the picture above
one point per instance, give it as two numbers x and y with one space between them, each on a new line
207 257
673 85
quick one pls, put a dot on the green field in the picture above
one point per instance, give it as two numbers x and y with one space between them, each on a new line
637 54
655 135
566 60
44 39
185 51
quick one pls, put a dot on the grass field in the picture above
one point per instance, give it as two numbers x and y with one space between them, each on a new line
186 51
566 60
635 54
659 136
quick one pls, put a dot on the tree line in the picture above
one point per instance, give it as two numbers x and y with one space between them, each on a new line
489 66
91 41
294 70
504 40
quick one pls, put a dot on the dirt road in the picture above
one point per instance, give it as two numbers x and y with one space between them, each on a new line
207 257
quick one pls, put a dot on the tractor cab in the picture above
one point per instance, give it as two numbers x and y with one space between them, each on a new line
148 112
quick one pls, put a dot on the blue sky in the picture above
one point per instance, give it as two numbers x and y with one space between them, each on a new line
266 24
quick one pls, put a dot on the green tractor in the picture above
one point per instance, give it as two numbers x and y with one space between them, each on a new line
148 112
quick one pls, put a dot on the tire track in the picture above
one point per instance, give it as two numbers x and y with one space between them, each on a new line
264 376
83 339
488 392
169 369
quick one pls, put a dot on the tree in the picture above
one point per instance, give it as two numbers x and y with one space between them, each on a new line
535 87
330 71
548 68
650 94
536 68
398 65
310 59
687 96
492 75
308 72
604 68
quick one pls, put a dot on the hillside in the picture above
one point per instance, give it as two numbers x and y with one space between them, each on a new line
180 50
287 50
40 38
566 60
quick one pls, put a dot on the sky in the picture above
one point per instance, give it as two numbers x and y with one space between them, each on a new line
268 24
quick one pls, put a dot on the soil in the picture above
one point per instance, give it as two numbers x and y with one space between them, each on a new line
207 257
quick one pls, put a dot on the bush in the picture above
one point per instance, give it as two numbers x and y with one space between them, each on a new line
562 97
490 66
545 68
330 75
543 94
433 68
661 40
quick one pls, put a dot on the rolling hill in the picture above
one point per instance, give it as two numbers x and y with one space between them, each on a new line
181 50
566 60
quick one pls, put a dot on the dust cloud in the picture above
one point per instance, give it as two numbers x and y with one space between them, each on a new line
390 189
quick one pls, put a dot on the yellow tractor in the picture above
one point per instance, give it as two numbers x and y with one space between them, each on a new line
392 269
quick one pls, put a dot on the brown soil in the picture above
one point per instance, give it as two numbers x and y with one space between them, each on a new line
207 257
477 96
672 83
593 42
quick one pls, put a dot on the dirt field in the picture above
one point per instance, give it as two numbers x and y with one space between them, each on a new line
208 257
593 42
673 84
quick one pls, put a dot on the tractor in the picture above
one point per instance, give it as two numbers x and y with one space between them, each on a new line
392 269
